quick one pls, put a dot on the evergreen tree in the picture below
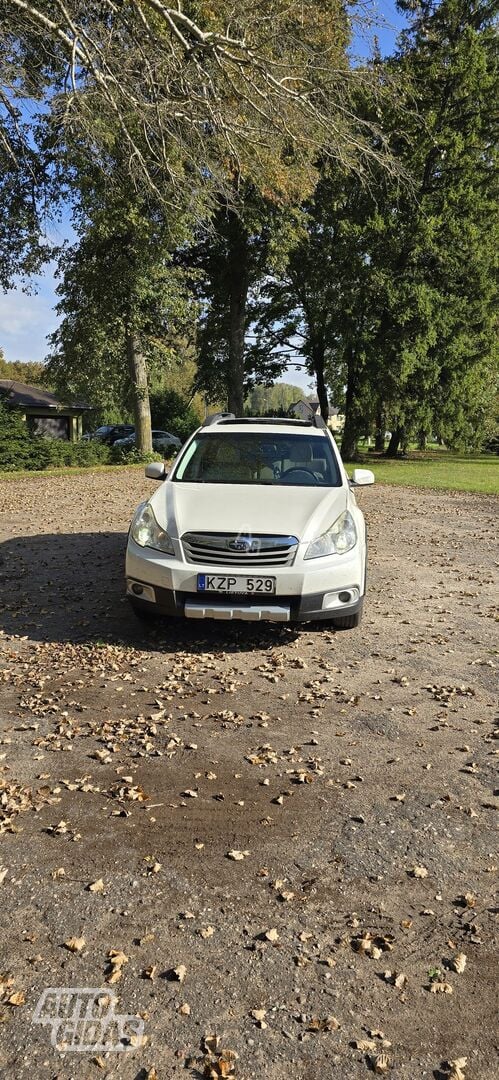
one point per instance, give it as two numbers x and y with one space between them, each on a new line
390 291
432 255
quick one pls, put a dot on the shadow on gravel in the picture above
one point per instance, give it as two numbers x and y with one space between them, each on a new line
69 587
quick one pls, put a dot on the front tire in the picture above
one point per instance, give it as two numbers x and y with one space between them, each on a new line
348 622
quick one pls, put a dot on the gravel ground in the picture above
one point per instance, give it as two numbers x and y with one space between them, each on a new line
268 842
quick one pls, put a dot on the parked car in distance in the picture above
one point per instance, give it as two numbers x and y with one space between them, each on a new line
110 433
161 440
257 520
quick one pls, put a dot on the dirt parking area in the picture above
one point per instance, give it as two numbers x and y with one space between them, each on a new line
272 846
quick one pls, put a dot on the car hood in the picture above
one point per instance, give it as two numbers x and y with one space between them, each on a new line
239 508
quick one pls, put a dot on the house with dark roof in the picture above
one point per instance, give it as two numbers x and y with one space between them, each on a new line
43 412
304 409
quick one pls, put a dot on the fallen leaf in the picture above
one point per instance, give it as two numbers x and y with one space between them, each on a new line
330 1023
455 1068
75 944
96 886
180 972
438 987
117 958
365 1045
138 1040
380 1063
18 998
397 979
459 962
258 1014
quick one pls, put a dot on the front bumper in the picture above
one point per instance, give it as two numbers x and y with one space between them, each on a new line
304 592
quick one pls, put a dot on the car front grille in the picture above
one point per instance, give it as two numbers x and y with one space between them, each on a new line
231 549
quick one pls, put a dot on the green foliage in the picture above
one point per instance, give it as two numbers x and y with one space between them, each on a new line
14 444
32 372
124 455
273 400
21 450
171 412
23 249
391 290
46 453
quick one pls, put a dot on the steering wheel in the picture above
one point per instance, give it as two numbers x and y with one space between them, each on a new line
298 469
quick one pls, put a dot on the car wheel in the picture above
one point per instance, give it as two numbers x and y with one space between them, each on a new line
348 622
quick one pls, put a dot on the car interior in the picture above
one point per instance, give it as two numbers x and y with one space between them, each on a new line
247 459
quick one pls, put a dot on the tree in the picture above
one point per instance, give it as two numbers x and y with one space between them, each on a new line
390 291
433 260
23 249
316 308
122 301
206 84
272 400
200 101
32 372
243 244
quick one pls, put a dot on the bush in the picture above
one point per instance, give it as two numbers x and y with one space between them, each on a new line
14 440
46 453
90 452
21 450
130 455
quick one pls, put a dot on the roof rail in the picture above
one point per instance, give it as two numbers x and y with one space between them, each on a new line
318 421
273 421
215 417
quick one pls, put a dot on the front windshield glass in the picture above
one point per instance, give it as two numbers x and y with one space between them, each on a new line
259 458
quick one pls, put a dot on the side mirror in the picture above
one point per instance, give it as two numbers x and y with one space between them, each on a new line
156 471
361 477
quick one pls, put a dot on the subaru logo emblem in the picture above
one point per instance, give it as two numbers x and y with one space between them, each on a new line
240 544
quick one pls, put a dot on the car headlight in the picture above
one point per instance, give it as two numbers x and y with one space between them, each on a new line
341 537
147 533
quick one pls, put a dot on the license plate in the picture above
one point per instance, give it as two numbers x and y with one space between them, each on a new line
239 583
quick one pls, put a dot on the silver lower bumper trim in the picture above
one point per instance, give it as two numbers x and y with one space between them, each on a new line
272 613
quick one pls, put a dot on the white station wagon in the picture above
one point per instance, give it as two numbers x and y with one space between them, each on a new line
256 520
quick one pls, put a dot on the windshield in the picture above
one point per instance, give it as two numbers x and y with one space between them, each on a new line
259 458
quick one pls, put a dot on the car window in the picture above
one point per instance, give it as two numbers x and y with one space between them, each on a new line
299 460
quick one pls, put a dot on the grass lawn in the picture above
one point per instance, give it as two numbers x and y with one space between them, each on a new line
439 469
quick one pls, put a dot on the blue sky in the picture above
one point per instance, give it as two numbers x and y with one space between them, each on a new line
27 319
